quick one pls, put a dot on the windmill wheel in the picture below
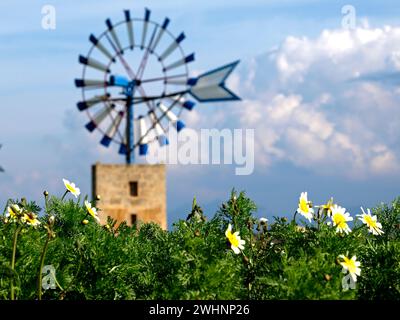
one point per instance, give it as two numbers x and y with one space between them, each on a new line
134 83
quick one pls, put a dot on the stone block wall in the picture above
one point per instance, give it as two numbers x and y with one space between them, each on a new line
112 183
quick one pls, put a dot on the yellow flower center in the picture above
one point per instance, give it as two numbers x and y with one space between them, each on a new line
233 239
304 205
370 222
90 210
70 189
30 217
12 213
340 220
350 264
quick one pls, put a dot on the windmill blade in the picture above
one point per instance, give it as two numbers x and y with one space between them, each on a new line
112 130
80 83
83 105
160 34
172 47
123 149
153 35
143 63
114 35
93 63
161 137
96 42
210 86
179 125
187 104
180 62
143 137
129 26
145 26
98 118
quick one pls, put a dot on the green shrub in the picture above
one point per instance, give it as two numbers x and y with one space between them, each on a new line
284 259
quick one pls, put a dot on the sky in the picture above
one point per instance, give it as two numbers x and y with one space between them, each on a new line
323 99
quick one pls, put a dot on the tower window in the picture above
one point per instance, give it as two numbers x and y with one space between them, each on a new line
133 219
133 188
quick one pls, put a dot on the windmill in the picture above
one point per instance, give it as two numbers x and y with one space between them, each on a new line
118 80
135 85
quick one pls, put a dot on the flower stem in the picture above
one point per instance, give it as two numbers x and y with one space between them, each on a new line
16 233
66 192
42 257
294 216
46 204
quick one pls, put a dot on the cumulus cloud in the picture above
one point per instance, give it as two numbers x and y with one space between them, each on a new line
311 102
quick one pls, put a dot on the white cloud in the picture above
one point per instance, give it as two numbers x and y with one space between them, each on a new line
309 105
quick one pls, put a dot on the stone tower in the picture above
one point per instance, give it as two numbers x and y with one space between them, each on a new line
132 193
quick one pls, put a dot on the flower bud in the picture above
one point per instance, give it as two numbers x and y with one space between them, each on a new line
85 221
328 277
98 198
51 220
300 229
45 193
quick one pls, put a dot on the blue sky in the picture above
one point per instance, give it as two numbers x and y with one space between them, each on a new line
321 125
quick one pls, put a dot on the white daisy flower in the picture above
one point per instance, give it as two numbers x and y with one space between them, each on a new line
371 221
92 210
304 207
71 187
352 266
236 242
340 218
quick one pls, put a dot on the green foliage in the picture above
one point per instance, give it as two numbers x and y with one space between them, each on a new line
281 260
